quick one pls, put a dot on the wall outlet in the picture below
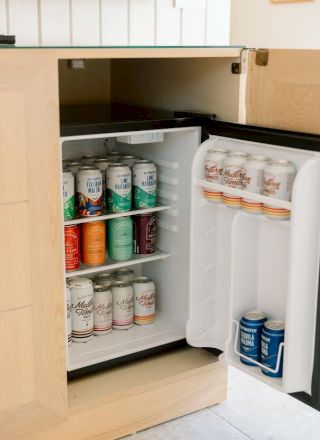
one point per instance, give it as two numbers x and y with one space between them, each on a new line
192 4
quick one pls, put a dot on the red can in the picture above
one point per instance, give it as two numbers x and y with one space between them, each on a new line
72 247
144 233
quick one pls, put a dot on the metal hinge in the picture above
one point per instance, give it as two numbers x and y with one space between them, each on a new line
262 57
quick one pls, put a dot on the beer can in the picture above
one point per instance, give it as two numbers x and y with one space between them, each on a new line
105 279
74 166
129 160
119 188
69 206
122 305
68 310
144 301
278 182
232 177
252 180
103 165
89 159
144 179
250 336
81 309
102 310
115 155
93 243
72 247
144 233
89 192
124 274
120 238
271 337
213 172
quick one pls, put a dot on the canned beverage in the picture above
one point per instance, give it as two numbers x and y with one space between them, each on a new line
115 155
119 188
68 310
144 301
103 165
120 238
232 177
81 309
144 233
278 182
124 274
252 180
144 182
271 337
72 247
129 160
213 172
93 243
250 336
102 310
69 206
122 305
89 192
89 159
74 166
105 279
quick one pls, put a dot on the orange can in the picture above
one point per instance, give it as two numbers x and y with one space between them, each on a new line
93 243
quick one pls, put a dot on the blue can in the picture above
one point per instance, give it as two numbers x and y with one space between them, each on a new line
250 336
271 337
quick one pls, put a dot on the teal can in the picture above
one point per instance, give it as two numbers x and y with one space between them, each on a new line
120 237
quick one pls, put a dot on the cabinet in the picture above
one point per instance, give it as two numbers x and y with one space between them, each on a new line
36 400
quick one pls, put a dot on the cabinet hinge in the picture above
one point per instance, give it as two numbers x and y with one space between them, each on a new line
242 66
262 57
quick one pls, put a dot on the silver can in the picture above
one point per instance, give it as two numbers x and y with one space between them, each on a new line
89 159
144 180
105 279
102 310
144 301
124 275
122 306
213 172
81 309
74 166
252 181
68 311
89 191
129 160
119 188
232 177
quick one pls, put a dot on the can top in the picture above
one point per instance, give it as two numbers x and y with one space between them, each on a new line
254 315
104 276
142 162
258 158
118 165
281 162
123 271
73 163
141 280
128 157
90 156
101 288
80 282
88 168
275 325
216 150
103 160
238 153
121 284
114 153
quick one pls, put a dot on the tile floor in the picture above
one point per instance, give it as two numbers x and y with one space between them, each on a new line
252 411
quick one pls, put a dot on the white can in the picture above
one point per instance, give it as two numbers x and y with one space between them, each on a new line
119 188
213 172
129 160
144 301
122 305
252 181
232 177
68 311
278 182
102 310
89 191
144 177
81 309
105 279
124 275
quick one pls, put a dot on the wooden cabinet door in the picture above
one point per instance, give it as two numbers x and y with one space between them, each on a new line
32 367
285 93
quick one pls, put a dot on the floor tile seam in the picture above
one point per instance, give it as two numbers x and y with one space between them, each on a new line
231 424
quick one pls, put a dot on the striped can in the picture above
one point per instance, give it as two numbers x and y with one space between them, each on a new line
122 305
144 179
69 204
272 336
102 310
72 247
250 336
252 181
119 188
144 301
68 311
81 309
232 177
213 172
93 243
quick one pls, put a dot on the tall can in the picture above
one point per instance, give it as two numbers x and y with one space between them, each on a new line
89 192
120 238
144 301
105 279
93 243
144 181
144 234
69 206
232 177
122 306
213 172
124 274
102 310
81 309
278 182
119 188
271 337
252 181
103 165
68 311
72 247
250 336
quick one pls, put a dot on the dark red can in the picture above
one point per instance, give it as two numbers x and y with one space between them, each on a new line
72 247
144 233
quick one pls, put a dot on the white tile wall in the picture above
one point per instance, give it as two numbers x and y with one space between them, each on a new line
116 22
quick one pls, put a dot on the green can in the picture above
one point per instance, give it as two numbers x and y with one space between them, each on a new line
119 188
120 237
69 206
144 184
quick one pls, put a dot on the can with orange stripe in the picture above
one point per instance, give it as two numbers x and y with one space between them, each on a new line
144 301
252 181
232 177
93 243
213 169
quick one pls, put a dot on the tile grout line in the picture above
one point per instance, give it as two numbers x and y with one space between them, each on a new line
231 424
